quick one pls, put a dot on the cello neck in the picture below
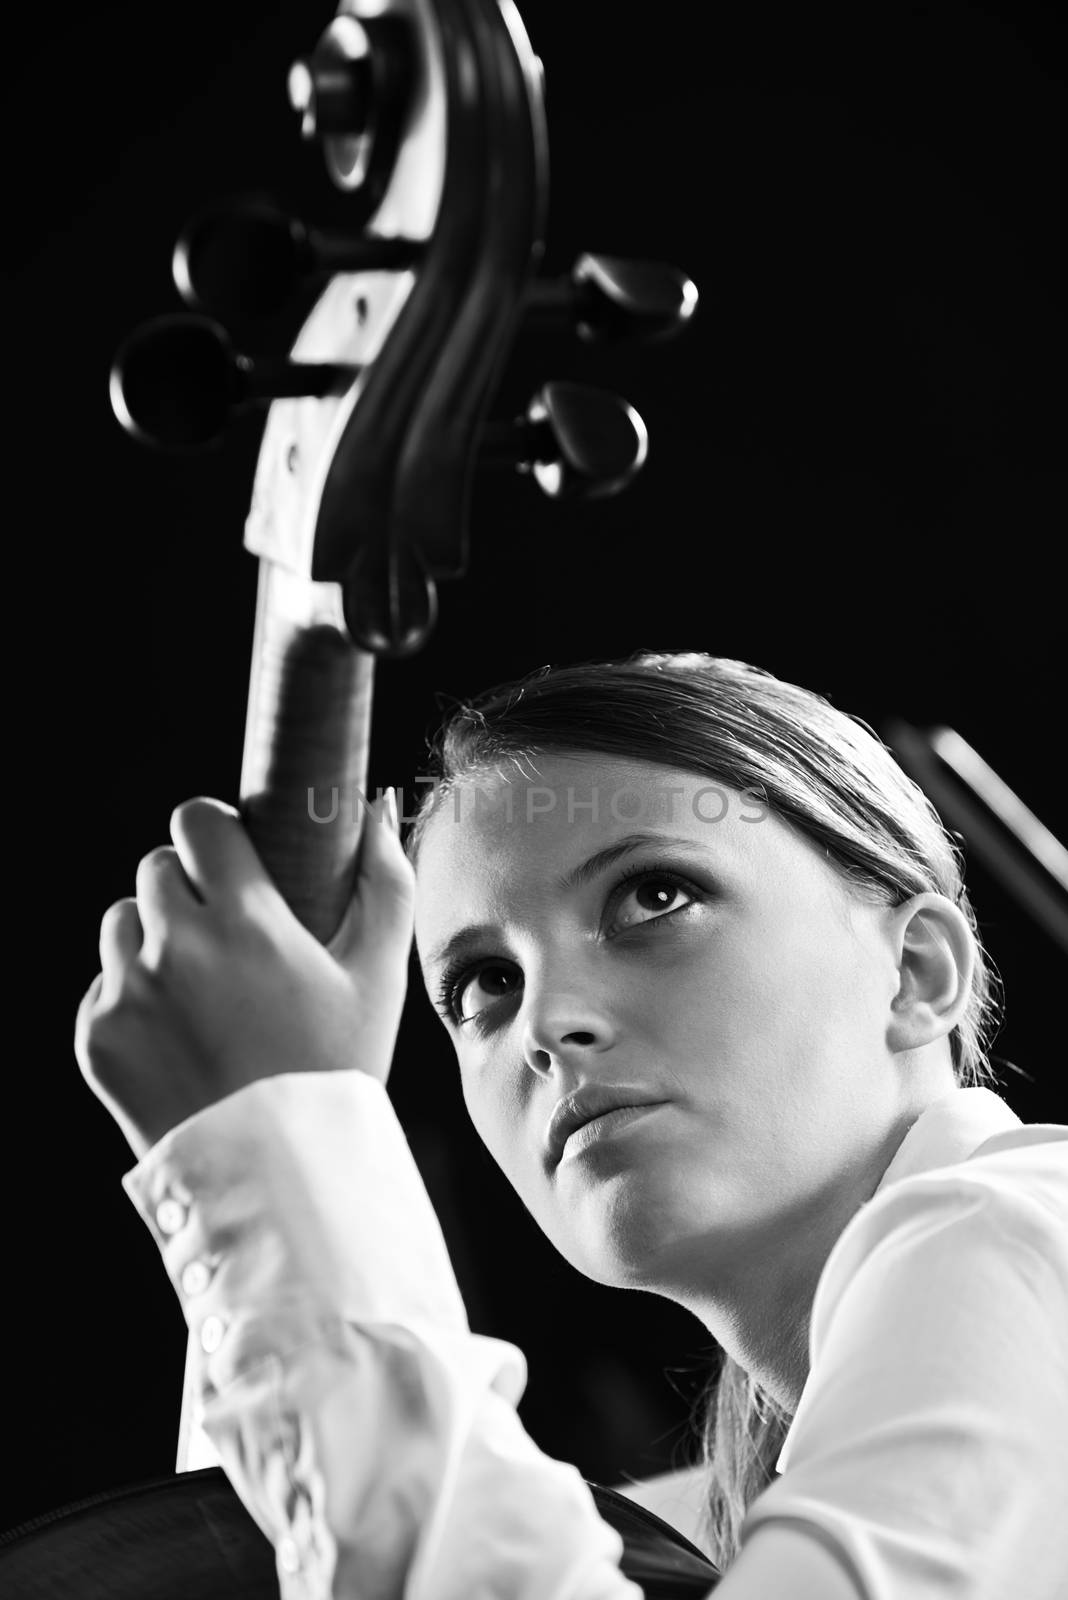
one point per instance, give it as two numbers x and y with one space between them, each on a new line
307 735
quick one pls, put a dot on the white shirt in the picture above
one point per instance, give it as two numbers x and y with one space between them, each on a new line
372 1437
375 1439
929 1449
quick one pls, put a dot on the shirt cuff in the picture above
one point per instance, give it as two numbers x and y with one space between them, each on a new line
296 1197
369 1433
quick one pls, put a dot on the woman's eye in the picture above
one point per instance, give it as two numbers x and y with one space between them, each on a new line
648 897
652 897
482 988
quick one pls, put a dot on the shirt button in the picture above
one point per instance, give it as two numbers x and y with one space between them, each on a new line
211 1334
170 1216
196 1275
288 1555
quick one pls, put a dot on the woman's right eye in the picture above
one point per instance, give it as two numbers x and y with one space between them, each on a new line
482 987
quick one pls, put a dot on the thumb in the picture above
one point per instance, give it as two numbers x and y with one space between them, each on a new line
383 903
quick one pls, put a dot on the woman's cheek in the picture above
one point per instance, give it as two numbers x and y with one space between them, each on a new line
492 1101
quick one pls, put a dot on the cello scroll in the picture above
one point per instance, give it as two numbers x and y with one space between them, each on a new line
431 120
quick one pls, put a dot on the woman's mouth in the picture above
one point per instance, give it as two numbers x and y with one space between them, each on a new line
602 1127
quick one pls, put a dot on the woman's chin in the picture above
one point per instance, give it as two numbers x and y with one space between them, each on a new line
633 1231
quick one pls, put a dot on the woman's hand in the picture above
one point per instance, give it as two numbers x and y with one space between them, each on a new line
209 982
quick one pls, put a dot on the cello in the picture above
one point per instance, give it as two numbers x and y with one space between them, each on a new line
431 122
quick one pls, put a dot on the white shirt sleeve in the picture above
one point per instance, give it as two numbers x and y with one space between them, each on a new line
370 1434
929 1451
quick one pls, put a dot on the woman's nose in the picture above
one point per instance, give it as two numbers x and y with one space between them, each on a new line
562 1027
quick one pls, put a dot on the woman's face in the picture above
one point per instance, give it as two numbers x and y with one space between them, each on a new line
625 931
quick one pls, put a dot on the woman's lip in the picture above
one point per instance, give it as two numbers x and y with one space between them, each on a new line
605 1126
588 1102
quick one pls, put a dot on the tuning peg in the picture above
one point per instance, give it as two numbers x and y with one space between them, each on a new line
247 259
331 90
606 297
176 380
352 92
578 443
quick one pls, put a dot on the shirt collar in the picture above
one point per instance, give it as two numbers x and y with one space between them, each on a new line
949 1130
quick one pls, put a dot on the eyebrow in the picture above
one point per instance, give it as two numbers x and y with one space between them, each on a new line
469 940
601 859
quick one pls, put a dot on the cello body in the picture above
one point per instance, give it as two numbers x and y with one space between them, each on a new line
189 1535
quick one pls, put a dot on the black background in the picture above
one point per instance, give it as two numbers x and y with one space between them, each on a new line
856 479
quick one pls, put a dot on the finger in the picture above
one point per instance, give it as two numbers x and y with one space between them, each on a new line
382 862
165 895
216 852
82 1022
385 883
121 937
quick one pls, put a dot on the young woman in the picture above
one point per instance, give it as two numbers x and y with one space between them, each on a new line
720 1010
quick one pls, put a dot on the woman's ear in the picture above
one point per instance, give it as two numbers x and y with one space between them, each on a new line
936 954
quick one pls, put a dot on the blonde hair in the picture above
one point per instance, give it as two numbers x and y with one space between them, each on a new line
824 772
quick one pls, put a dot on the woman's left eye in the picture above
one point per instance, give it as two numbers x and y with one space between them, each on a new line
652 896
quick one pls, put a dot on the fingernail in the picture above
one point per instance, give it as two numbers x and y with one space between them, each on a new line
392 811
